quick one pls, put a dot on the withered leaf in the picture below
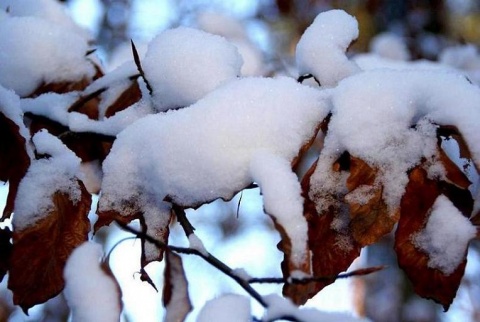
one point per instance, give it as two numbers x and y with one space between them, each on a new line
40 251
175 290
5 251
14 160
416 204
332 251
130 96
370 220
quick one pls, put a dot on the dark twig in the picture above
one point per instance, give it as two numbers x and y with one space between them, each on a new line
301 78
209 258
239 202
306 280
136 58
183 220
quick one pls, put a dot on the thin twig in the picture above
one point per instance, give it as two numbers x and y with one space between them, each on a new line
136 59
306 280
183 220
301 78
209 258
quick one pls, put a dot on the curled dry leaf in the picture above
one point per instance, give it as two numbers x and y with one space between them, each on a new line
40 251
332 251
370 220
14 160
130 96
175 290
5 251
421 193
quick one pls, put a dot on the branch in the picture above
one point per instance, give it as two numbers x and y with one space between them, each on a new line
209 258
301 78
136 58
306 280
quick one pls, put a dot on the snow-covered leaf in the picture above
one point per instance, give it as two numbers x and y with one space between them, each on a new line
175 290
45 246
419 254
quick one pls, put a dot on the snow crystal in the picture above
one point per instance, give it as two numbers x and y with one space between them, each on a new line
203 152
230 307
49 10
389 45
279 307
184 64
197 244
321 49
34 51
45 177
282 198
446 236
91 294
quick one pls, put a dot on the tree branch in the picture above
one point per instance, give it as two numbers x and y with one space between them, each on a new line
209 258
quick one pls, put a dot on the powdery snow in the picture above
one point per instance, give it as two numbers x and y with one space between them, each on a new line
197 244
182 65
45 177
279 307
204 152
386 118
49 10
446 236
51 105
35 51
10 106
321 49
91 294
230 307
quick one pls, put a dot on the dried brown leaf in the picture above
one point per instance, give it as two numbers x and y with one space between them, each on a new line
5 251
416 203
175 290
130 96
40 251
14 160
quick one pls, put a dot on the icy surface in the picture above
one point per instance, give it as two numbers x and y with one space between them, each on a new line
231 307
45 177
321 49
446 236
184 64
203 152
34 51
91 294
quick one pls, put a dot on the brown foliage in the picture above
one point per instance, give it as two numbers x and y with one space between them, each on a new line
40 251
14 160
175 290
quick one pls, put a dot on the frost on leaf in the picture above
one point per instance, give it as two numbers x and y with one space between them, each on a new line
175 290
14 160
45 246
416 209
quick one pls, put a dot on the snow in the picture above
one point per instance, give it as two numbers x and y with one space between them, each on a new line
112 125
279 307
321 49
10 106
394 113
45 176
157 218
446 236
197 244
389 45
203 152
49 10
229 307
182 65
282 198
51 105
91 294
34 51
465 58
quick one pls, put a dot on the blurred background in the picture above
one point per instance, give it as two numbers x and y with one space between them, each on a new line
266 32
